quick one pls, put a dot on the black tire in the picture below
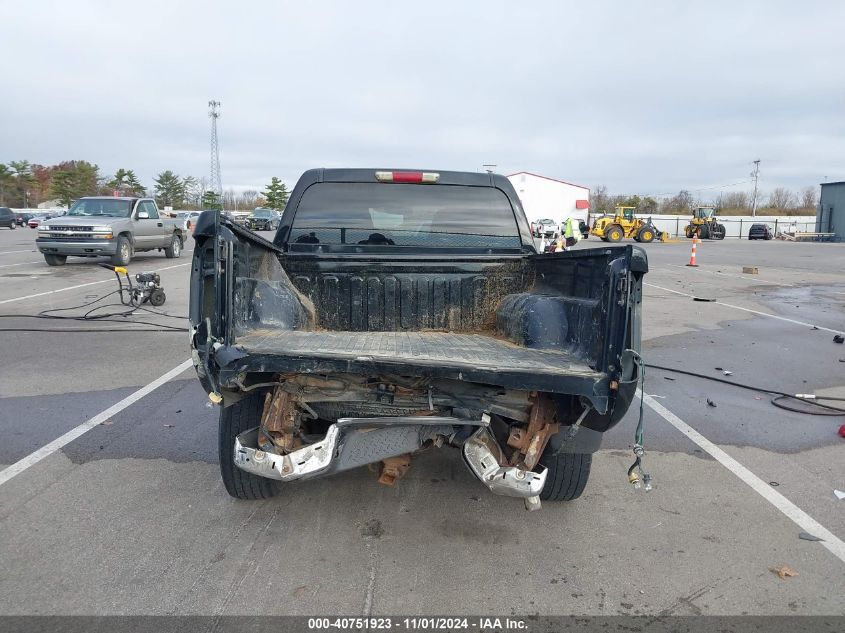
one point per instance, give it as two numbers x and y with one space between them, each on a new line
242 416
615 234
175 249
55 260
567 476
157 297
720 232
646 235
13 226
124 252
704 232
689 231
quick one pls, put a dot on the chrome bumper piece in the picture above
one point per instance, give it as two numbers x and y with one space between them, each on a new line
349 443
353 442
484 456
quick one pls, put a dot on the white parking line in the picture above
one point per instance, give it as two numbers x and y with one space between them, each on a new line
757 312
48 449
90 283
743 277
29 250
21 264
789 509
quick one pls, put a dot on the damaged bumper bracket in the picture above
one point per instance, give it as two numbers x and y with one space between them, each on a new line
484 456
349 443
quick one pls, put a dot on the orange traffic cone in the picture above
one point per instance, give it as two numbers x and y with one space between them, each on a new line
692 254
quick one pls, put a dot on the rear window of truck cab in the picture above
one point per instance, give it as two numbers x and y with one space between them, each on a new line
342 215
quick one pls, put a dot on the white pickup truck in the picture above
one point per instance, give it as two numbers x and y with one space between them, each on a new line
114 227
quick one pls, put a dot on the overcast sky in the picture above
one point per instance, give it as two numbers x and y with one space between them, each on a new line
645 97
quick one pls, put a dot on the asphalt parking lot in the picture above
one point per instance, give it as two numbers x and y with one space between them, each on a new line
130 517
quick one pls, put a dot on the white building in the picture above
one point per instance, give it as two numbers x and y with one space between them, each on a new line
544 197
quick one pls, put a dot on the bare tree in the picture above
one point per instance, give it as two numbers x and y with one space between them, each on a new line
599 200
248 199
781 199
736 201
808 198
681 204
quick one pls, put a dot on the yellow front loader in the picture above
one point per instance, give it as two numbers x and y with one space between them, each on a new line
624 224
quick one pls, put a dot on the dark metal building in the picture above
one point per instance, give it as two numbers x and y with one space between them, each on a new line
830 215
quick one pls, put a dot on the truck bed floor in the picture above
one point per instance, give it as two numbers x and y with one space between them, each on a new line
442 349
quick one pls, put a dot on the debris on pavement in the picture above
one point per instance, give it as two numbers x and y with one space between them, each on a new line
838 338
168 426
750 270
668 378
106 423
702 299
842 431
839 494
806 536
710 403
783 572
728 373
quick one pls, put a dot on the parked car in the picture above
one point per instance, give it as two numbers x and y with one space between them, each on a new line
35 220
187 219
115 227
264 220
545 228
386 318
22 218
7 218
760 232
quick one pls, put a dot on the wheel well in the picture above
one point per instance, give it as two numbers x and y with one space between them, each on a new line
127 235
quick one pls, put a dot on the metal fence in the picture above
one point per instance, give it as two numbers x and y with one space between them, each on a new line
736 226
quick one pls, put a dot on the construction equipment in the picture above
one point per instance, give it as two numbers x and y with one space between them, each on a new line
704 225
624 224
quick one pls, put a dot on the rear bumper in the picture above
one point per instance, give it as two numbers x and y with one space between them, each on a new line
91 248
354 442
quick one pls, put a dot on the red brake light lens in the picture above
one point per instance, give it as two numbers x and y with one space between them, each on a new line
407 176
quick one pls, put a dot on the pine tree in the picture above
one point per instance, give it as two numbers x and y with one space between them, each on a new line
170 191
276 194
210 200
126 183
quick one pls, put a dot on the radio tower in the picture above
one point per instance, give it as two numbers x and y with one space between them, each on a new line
216 184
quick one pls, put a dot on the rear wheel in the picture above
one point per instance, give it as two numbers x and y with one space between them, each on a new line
614 234
175 248
704 232
242 416
567 476
55 260
157 297
719 231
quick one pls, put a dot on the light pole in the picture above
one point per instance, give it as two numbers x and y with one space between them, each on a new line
755 174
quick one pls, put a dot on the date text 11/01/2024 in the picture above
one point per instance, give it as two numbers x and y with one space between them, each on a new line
418 623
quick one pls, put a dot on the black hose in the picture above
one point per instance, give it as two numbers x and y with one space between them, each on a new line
829 410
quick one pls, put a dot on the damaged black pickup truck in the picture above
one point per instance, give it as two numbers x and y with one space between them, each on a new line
397 311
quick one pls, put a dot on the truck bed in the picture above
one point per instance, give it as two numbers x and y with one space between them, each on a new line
485 358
